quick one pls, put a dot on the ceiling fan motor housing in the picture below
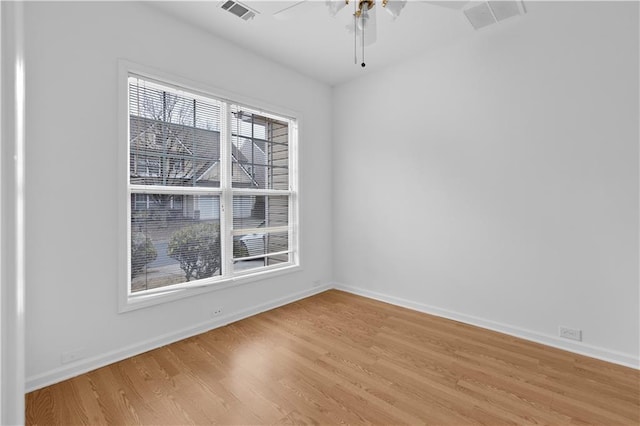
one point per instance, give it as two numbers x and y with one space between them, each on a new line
361 4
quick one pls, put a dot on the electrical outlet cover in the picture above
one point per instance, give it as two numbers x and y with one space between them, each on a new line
67 357
570 333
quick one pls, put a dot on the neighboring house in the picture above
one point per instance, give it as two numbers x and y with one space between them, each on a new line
174 154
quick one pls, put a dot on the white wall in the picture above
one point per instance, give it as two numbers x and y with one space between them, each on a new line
496 181
72 52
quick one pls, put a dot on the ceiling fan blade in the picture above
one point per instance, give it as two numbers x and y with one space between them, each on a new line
394 7
294 11
335 6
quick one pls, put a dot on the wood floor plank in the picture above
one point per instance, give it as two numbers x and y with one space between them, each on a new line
337 358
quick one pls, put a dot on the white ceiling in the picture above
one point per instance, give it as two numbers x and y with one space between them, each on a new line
315 44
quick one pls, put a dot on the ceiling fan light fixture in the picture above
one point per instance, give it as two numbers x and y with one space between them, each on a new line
363 6
394 7
335 6
363 19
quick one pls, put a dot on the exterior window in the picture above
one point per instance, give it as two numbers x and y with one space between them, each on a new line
211 190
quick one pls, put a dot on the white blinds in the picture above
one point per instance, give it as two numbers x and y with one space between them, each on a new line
180 229
174 138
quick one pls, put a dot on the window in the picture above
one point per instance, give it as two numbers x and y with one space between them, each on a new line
211 190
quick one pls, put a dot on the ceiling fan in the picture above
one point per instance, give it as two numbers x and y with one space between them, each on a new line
361 18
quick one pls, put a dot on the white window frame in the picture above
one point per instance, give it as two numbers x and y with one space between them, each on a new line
127 300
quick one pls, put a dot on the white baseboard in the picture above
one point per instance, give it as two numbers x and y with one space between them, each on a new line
615 357
88 364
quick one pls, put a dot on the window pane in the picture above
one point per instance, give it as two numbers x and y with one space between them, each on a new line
260 243
260 211
174 239
245 265
174 137
262 217
260 151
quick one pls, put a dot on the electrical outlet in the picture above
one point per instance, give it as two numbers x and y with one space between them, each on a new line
71 356
216 312
570 333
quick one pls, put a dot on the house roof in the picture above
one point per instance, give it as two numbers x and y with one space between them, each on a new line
164 153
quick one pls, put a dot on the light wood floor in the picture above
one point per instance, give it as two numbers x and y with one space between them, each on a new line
339 358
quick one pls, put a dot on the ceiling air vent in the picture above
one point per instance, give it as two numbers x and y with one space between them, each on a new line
490 12
239 9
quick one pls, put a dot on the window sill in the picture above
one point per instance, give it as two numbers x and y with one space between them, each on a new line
139 301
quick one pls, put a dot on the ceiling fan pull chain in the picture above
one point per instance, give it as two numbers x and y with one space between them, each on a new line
363 24
355 39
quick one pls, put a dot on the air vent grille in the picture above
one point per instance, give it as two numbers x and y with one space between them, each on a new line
480 16
504 9
490 12
238 9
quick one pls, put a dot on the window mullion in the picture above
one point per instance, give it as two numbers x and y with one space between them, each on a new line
293 219
177 190
252 191
226 198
